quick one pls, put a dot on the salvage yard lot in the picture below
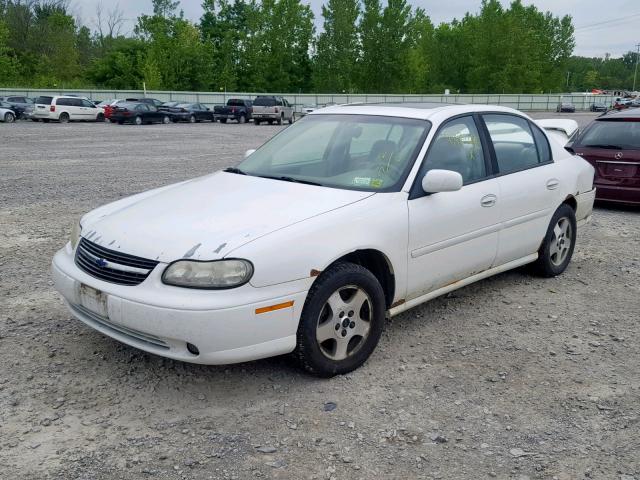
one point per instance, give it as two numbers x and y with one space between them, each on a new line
512 377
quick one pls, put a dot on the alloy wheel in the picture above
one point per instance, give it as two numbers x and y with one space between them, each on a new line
344 322
561 242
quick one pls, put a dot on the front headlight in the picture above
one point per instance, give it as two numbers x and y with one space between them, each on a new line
215 274
74 237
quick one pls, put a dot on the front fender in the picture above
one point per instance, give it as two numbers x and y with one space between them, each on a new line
305 249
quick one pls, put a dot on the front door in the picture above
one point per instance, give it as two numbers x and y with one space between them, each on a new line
453 235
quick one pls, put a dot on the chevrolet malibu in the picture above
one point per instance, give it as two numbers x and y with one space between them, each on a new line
350 215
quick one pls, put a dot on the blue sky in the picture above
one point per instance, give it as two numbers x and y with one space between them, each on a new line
611 26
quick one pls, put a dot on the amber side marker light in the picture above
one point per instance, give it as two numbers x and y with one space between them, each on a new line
271 308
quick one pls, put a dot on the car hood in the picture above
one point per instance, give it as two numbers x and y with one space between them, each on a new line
207 217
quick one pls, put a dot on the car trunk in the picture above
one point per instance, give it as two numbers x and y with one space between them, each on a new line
613 166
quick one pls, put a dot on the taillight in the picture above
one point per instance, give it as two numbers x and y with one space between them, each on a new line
52 108
126 113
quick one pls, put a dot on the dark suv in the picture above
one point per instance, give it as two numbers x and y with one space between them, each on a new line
23 106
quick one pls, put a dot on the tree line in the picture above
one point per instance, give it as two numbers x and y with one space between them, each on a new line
364 46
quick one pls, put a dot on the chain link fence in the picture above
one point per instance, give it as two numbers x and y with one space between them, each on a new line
582 102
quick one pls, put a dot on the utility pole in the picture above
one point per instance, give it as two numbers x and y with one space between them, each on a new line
635 75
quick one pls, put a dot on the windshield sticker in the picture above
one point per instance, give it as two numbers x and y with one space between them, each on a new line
362 181
368 182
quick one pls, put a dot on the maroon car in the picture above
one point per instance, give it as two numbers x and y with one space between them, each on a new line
612 145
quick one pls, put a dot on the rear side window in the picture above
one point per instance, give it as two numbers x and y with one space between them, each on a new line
612 134
513 142
63 102
544 150
44 100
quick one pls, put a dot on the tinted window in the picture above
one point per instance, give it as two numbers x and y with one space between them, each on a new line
44 100
513 142
457 147
265 102
612 134
65 102
235 103
87 103
75 102
544 151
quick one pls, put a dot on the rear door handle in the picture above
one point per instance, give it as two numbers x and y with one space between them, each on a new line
488 200
553 184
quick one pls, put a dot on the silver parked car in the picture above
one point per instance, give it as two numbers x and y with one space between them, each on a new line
268 108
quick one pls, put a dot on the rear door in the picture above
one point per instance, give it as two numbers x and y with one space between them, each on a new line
529 187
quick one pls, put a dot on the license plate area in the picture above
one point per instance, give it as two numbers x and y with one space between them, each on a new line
619 169
93 299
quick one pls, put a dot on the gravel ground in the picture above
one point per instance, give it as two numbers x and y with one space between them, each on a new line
514 377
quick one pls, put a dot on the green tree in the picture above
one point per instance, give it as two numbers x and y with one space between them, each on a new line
337 48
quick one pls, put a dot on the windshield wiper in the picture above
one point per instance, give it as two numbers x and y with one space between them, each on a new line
605 145
291 179
234 170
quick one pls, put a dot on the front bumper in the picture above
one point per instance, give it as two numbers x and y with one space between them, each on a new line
161 319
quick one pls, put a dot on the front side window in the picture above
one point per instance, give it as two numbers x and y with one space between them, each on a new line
457 147
87 103
512 141
358 152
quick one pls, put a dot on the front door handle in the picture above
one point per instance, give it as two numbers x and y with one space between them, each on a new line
488 200
553 184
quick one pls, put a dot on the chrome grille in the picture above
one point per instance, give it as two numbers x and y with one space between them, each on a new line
112 266
95 320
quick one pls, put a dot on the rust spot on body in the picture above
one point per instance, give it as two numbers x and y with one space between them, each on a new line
398 303
314 272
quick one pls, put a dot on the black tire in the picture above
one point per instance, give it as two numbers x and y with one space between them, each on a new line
63 118
309 352
256 122
35 119
223 120
242 119
45 120
112 120
291 120
120 122
9 117
166 120
545 265
270 122
280 118
100 117
192 119
138 120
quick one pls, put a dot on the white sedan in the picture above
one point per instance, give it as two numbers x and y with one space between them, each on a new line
7 115
351 214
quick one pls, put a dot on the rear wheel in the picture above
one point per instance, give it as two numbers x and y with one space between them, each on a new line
256 122
242 119
192 119
342 321
166 120
63 118
35 119
557 247
120 122
223 120
9 117
280 118
137 120
291 120
45 120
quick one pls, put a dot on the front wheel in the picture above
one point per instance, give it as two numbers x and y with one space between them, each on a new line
192 119
557 247
341 322
63 118
137 120
166 120
9 117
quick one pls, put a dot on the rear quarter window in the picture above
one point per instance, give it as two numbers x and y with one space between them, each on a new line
542 143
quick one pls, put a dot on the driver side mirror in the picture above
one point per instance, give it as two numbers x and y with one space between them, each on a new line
249 152
436 181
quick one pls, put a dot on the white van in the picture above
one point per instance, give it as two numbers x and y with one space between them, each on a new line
65 109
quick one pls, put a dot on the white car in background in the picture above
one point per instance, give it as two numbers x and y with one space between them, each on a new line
351 214
66 109
7 115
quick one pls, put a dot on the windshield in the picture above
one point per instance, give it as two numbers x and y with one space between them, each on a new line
612 134
358 152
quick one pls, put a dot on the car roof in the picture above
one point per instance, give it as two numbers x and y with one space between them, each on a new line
424 111
628 114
